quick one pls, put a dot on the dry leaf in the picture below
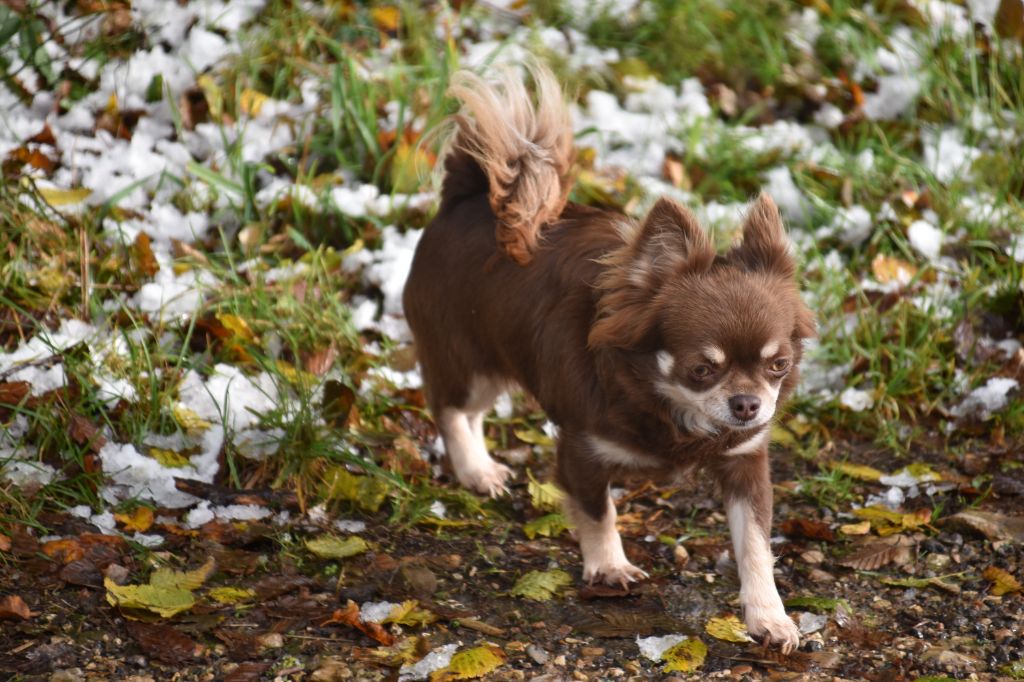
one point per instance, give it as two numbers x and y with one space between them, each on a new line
142 254
12 606
894 550
862 528
728 629
470 664
889 269
138 521
350 616
540 585
808 528
1002 581
164 642
685 657
861 472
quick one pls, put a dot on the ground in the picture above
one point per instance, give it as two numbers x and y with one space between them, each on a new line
215 460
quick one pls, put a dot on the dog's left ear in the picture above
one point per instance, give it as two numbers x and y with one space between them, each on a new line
765 245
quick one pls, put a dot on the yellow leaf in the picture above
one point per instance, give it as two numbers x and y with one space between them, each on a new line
549 526
861 472
367 492
138 521
408 613
470 664
544 496
169 458
64 197
889 269
294 376
160 599
251 101
728 629
540 585
185 580
189 420
862 528
535 437
685 657
212 93
409 166
386 18
333 547
231 595
1002 581
238 327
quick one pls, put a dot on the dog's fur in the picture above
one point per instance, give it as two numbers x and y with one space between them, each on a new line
652 352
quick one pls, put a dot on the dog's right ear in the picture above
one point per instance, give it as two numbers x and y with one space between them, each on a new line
668 243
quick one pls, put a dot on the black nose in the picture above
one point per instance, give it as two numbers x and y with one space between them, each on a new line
744 406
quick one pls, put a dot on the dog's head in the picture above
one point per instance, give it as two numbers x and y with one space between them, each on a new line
722 334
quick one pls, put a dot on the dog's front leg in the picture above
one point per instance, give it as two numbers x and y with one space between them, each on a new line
747 491
589 506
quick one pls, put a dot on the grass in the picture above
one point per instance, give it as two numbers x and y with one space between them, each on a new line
372 61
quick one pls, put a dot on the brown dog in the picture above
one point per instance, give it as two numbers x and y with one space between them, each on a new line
650 351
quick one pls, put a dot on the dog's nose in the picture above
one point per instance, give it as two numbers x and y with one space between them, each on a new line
744 406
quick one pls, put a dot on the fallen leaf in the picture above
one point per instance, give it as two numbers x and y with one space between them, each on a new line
239 328
861 528
728 629
142 254
540 585
544 496
12 607
861 472
991 525
809 529
333 547
164 642
188 420
534 437
231 595
5 543
889 269
549 526
409 613
818 604
169 458
386 18
1009 19
164 601
350 616
470 664
13 392
367 492
896 549
887 522
251 101
941 582
1002 581
685 657
139 521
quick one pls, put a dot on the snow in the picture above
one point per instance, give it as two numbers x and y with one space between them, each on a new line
925 238
984 400
946 155
894 97
810 623
375 611
654 647
853 225
856 399
229 396
790 200
421 669
25 474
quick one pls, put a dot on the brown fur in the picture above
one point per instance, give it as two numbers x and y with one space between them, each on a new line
581 317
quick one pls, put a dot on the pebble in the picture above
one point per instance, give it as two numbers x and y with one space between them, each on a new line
538 654
681 556
813 556
559 659
68 675
592 651
741 670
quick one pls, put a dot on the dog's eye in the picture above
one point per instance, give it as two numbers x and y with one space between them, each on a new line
701 372
780 364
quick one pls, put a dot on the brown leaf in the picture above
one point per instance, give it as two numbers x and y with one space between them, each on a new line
320 362
85 432
893 550
1002 581
350 616
13 392
337 403
629 624
163 642
82 572
12 607
1009 19
74 548
808 529
142 253
5 543
250 671
991 525
889 269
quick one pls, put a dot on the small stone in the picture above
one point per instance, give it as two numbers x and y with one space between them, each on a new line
813 556
681 556
741 669
577 675
1002 633
559 659
819 576
68 675
592 651
494 553
937 562
539 656
271 640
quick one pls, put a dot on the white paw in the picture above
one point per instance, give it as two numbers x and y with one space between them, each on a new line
489 480
615 573
773 626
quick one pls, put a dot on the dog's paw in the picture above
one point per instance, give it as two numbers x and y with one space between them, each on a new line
614 573
490 480
773 626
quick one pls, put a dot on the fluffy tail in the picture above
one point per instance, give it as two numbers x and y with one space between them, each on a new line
522 145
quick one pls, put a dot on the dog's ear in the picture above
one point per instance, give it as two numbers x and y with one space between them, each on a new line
805 326
765 245
668 243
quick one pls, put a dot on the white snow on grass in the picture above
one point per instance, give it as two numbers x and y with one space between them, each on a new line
983 401
855 399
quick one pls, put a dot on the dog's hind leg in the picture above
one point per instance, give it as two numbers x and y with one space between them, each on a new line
462 428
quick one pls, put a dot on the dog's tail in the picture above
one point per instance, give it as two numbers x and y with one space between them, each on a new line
523 148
